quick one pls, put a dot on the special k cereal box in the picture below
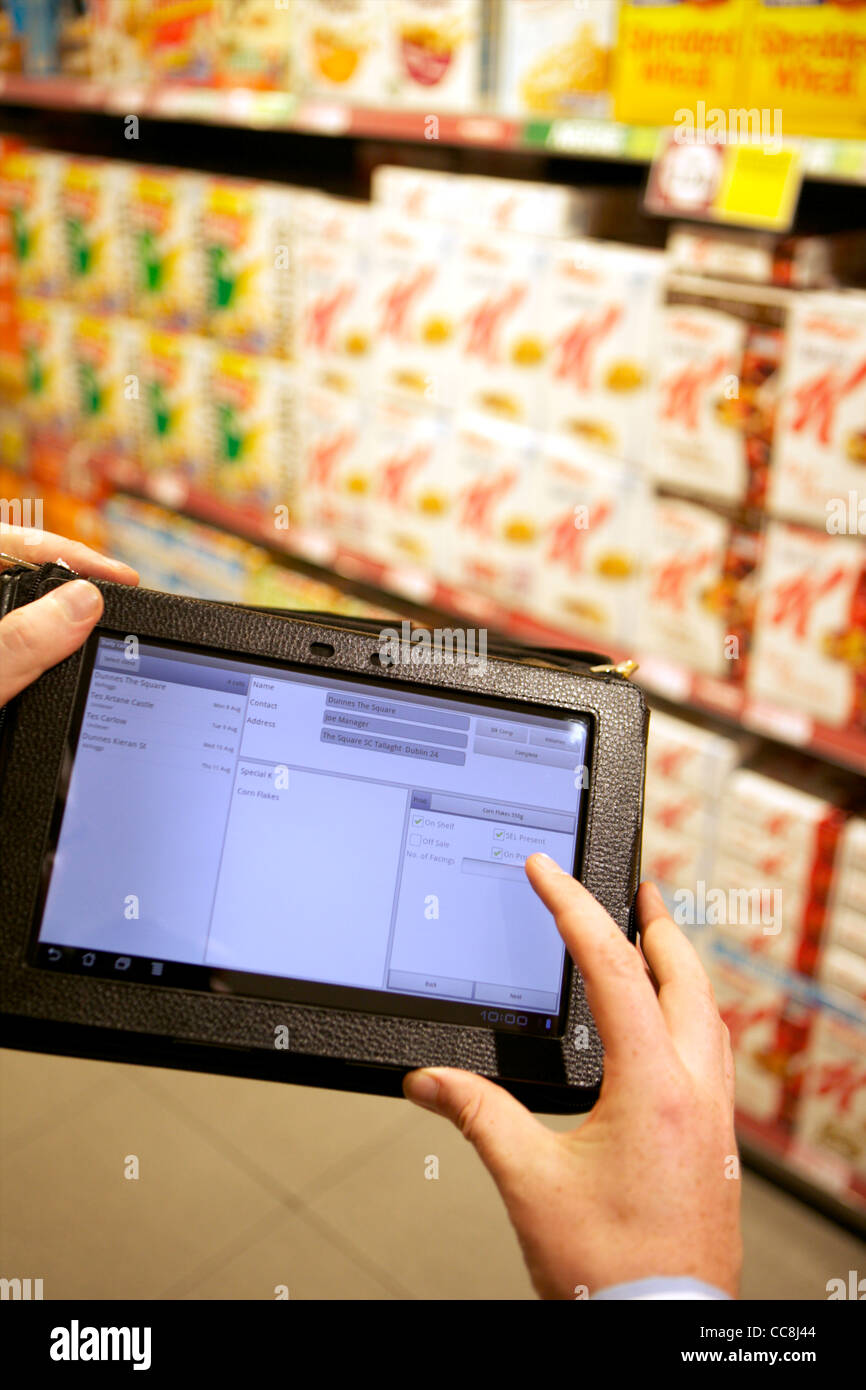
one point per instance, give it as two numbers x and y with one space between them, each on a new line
809 627
603 332
253 428
591 513
764 1040
716 389
820 451
106 352
808 60
412 501
502 346
698 590
494 541
342 48
555 57
167 283
335 467
175 383
435 49
92 199
335 307
247 253
831 1114
685 755
430 194
672 53
417 307
29 187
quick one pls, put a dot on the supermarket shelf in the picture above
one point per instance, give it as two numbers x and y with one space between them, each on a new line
839 161
688 689
813 1178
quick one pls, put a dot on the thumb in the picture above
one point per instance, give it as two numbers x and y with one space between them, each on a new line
40 634
507 1138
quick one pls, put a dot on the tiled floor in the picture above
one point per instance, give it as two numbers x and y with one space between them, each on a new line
246 1186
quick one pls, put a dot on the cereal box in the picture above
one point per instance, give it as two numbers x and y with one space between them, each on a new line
494 542
29 186
175 372
335 310
253 45
765 1037
831 1115
49 398
253 431
247 248
685 755
167 284
502 349
92 198
673 53
698 590
716 388
435 48
808 60
417 307
810 623
603 327
342 48
411 504
589 513
105 353
335 467
821 437
555 57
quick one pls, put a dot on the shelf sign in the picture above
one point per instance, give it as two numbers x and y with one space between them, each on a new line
746 184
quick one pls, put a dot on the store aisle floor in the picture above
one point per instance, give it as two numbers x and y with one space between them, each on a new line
247 1188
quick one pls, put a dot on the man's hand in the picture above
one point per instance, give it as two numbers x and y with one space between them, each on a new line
649 1184
40 634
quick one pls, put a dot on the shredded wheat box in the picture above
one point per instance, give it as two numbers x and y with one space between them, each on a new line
807 59
671 54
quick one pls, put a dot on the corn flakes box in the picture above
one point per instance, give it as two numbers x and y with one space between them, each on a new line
810 626
820 451
502 348
246 245
335 308
671 54
29 188
253 431
603 330
342 48
412 505
105 352
335 464
92 198
175 376
417 307
555 57
49 391
166 280
807 59
591 514
436 54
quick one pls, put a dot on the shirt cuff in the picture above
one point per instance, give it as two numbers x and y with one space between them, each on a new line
663 1288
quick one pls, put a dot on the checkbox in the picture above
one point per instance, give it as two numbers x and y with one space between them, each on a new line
496 853
498 834
417 820
414 839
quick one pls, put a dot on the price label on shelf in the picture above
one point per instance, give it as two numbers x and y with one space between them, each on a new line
745 183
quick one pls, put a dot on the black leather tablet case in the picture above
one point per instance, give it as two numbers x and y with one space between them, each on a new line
332 1047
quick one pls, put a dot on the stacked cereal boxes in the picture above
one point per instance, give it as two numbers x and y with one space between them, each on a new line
779 829
687 769
806 59
843 961
671 54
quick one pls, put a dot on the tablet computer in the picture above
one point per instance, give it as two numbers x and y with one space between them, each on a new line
257 843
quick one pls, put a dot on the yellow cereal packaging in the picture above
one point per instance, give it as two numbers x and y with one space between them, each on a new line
673 53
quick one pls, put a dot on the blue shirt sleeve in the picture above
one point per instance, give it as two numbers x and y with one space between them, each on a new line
664 1287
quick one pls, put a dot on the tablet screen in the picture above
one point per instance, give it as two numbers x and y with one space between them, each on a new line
248 827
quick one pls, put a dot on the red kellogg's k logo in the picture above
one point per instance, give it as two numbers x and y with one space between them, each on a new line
681 391
398 470
578 346
794 599
671 578
816 401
